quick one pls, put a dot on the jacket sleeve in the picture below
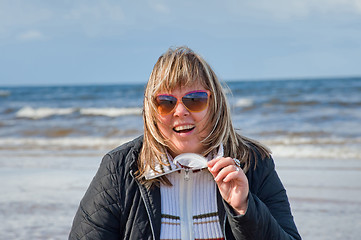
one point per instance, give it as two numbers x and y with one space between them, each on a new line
98 213
268 215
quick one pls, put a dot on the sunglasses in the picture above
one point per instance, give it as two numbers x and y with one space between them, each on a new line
195 101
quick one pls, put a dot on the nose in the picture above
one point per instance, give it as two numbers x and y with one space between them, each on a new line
180 110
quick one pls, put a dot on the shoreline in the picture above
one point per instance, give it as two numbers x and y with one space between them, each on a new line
43 193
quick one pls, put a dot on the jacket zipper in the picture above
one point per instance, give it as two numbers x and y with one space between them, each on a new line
187 231
147 207
186 215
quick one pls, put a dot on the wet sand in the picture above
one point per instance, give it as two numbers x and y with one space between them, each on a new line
325 196
40 195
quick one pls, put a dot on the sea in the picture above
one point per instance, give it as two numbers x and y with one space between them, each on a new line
52 139
313 118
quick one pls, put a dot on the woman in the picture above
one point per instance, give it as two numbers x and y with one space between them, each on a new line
144 189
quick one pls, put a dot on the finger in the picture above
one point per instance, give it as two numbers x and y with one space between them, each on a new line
222 163
211 165
237 175
213 173
232 176
223 174
213 161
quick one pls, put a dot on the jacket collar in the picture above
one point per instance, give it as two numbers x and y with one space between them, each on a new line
169 165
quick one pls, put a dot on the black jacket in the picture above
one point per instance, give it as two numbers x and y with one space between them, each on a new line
117 206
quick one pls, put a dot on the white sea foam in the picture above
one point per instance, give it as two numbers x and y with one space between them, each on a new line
303 147
296 148
111 112
243 102
61 143
38 113
44 112
295 140
315 152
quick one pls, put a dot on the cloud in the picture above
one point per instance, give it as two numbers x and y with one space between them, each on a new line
18 15
102 10
159 6
31 35
59 17
115 18
15 13
95 18
289 9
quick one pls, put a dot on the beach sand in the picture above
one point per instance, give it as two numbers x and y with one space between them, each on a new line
41 193
325 196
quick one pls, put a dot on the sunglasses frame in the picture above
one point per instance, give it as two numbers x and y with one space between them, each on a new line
180 100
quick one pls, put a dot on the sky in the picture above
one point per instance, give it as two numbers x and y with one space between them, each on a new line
112 41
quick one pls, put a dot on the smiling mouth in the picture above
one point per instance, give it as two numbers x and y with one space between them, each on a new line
184 128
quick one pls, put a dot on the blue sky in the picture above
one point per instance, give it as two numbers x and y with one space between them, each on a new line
88 41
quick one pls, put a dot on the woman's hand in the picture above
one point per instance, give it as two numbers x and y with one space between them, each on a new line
232 182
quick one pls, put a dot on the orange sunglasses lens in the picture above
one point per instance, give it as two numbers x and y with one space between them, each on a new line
194 101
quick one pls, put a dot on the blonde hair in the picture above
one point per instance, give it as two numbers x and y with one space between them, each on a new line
182 67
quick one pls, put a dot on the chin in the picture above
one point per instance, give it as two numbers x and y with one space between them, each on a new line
189 149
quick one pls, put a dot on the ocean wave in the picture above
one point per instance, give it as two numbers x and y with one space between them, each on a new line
313 147
299 148
111 112
294 140
39 113
315 152
243 102
62 143
312 103
44 112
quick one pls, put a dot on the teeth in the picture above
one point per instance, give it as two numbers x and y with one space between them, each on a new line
183 127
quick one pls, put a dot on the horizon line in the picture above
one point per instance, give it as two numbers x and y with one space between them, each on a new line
230 80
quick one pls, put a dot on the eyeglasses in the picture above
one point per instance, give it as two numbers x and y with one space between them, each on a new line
195 101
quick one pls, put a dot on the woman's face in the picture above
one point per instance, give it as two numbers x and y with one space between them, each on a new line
183 128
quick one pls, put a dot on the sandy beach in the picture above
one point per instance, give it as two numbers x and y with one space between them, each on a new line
325 196
41 194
